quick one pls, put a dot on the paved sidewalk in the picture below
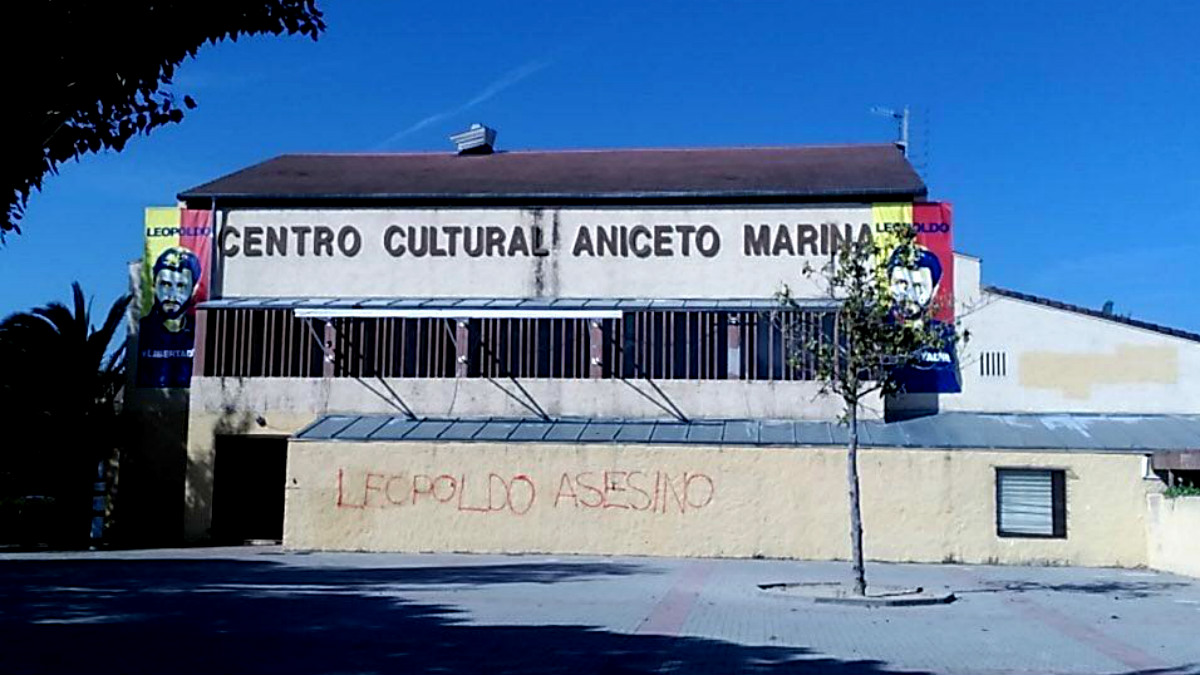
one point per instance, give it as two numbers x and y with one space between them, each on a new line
260 610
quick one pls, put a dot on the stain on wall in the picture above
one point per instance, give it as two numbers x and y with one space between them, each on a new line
1076 374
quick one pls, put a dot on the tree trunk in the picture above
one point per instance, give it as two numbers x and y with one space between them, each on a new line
856 529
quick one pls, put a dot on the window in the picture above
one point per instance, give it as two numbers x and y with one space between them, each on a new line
993 364
1031 503
660 345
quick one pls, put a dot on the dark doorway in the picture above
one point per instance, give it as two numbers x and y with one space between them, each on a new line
248 481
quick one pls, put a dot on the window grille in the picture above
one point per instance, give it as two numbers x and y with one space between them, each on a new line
993 364
1031 503
660 345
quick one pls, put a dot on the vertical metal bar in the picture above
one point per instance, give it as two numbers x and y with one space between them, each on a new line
530 327
443 343
596 342
214 325
271 327
750 341
403 325
268 342
564 348
239 355
785 345
734 350
689 345
247 341
248 352
389 355
235 342
285 361
668 344
198 350
419 369
327 369
709 345
461 338
303 339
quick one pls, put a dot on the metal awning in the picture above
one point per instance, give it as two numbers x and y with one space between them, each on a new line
967 431
502 308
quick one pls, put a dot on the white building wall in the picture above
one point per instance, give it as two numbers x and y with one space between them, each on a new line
1056 360
709 252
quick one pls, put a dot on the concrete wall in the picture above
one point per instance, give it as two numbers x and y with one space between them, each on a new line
1173 534
281 407
617 399
919 505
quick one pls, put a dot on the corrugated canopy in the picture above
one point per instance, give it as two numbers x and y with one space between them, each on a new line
785 173
1105 433
502 307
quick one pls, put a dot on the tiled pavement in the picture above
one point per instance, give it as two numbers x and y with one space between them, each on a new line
254 610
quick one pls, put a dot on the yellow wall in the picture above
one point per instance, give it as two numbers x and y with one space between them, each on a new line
203 429
1173 534
919 505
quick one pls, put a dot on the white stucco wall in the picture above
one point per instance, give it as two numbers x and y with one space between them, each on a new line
1062 361
1173 534
1058 360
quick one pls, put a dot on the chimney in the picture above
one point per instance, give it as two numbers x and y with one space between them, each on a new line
478 140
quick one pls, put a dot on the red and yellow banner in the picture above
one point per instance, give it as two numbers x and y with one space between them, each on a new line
923 285
175 277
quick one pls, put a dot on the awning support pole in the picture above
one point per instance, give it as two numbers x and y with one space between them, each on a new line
670 408
330 356
529 403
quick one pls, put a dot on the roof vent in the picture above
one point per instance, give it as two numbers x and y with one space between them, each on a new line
478 140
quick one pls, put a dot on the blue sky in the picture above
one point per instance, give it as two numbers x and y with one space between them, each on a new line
1063 132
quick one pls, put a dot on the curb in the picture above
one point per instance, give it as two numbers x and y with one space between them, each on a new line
900 598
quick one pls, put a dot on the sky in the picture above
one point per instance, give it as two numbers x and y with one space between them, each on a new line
1064 133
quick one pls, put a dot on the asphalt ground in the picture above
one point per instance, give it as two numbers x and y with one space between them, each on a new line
263 610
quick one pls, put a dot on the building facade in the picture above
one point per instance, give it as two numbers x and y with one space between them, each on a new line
579 352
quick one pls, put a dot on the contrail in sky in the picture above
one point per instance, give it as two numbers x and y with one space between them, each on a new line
500 84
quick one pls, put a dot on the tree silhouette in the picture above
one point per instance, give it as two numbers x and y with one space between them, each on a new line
59 392
89 76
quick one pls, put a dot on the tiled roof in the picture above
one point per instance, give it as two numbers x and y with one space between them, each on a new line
736 175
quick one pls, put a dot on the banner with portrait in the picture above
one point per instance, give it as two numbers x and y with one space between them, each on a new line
921 287
175 278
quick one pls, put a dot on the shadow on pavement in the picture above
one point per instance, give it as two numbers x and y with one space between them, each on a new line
1124 589
217 616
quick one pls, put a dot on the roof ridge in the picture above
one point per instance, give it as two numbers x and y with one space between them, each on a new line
567 151
1087 311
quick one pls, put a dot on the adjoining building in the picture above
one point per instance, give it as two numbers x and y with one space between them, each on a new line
574 352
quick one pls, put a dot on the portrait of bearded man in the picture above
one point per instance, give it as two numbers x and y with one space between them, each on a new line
166 334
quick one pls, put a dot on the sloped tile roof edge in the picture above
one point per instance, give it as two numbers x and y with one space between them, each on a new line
775 172
1086 311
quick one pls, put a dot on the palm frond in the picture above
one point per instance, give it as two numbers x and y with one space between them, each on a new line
81 323
98 341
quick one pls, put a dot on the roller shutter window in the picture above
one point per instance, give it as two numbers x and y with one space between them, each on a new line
1031 503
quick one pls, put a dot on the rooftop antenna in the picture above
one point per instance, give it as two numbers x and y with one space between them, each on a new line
901 118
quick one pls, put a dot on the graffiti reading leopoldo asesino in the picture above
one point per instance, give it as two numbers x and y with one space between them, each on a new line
651 491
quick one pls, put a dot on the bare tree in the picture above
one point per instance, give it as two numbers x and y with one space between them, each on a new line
874 337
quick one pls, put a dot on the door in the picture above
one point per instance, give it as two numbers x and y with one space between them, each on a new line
248 482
